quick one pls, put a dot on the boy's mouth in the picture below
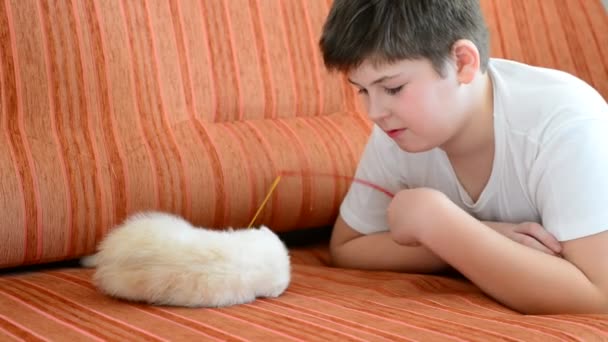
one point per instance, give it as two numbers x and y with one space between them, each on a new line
393 133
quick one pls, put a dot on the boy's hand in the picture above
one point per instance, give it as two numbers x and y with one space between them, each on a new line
414 210
529 234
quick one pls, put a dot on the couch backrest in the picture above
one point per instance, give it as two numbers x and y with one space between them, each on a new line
194 107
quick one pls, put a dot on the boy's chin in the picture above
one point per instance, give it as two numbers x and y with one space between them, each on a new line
414 146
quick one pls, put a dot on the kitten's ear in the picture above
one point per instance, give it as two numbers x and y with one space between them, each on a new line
265 229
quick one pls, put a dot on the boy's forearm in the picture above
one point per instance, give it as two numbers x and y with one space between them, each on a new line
522 278
379 252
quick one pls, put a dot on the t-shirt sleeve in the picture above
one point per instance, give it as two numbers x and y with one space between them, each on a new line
569 179
364 208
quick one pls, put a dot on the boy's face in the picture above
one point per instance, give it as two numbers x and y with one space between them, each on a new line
410 101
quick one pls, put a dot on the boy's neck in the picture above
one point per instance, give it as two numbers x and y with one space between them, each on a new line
477 132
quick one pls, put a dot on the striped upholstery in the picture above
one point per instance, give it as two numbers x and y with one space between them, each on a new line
322 304
108 107
194 106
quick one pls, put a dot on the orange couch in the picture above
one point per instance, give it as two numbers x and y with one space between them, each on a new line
193 107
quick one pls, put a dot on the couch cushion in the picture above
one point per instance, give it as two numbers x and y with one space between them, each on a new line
321 304
190 107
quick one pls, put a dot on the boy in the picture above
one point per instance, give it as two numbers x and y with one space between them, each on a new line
500 169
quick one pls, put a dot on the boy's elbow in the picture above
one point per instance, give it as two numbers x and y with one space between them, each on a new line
603 308
336 257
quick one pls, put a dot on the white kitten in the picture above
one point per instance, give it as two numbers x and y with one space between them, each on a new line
162 259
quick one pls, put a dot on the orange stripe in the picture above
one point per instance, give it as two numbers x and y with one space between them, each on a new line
7 98
599 327
46 27
76 129
344 141
501 36
345 161
483 305
231 315
218 174
217 39
524 35
297 109
33 226
148 310
366 125
261 167
487 7
391 310
183 55
509 317
270 103
26 301
335 332
186 90
307 182
304 74
150 110
202 134
119 179
536 18
315 315
92 218
334 170
73 131
211 71
374 315
138 119
468 315
557 37
73 312
247 164
573 44
598 18
157 312
193 325
235 63
334 319
274 203
510 32
100 199
315 62
184 184
533 329
19 331
590 49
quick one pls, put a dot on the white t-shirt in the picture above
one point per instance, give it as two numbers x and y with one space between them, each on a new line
550 162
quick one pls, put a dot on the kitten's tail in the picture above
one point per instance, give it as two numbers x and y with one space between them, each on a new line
89 261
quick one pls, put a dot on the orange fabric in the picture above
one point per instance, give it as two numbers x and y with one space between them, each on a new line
321 304
193 107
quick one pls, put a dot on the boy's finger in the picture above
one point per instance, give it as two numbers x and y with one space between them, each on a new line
531 242
539 233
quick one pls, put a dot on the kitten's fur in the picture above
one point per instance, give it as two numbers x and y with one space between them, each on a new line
162 259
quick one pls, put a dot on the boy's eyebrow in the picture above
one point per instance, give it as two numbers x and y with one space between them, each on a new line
381 79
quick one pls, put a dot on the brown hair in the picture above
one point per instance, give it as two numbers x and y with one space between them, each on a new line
390 30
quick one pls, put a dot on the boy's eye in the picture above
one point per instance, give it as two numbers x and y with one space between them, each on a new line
362 91
393 91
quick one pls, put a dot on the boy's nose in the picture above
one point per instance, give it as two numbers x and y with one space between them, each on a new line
375 111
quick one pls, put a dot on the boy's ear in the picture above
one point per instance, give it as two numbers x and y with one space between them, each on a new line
466 56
